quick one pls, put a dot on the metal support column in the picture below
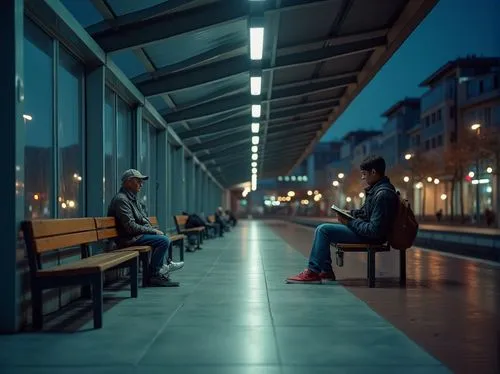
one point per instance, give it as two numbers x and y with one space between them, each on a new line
12 156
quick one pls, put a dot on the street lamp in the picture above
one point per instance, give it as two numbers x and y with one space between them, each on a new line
477 128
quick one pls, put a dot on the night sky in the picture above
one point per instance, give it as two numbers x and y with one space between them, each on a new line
454 28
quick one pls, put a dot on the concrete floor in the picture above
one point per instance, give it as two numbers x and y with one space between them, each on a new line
232 314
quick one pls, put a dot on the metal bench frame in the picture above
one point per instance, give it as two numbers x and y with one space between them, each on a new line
371 251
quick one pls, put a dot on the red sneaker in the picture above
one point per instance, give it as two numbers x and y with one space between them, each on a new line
327 277
307 277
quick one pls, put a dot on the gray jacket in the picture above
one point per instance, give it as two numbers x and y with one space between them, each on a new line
376 217
131 220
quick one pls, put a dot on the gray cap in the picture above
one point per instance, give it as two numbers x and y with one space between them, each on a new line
132 173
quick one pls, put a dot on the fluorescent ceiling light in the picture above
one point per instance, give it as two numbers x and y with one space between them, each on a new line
255 85
254 164
256 43
254 170
27 117
255 156
255 149
256 111
255 140
255 127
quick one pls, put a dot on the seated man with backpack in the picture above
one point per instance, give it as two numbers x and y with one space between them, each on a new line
373 223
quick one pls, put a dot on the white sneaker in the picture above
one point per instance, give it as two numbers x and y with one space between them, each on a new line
169 268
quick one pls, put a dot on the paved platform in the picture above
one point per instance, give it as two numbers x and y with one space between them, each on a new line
450 305
232 314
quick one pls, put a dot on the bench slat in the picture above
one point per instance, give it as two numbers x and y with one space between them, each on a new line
362 246
89 265
137 248
105 222
107 233
63 241
176 237
50 227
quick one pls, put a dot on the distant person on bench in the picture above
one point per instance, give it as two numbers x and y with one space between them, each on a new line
372 223
134 228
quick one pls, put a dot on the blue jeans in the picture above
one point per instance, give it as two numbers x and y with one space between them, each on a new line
320 258
160 244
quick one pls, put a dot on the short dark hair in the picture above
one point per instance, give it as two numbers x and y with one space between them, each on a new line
376 163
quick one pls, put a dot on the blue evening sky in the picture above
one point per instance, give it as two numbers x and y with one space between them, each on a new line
454 28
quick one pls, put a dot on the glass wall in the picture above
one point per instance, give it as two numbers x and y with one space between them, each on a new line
124 137
110 186
38 119
148 160
70 75
53 179
118 143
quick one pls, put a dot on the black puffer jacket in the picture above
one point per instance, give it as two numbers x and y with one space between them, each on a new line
376 217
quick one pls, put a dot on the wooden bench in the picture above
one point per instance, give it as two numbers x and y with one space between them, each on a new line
106 229
50 235
180 225
371 250
176 239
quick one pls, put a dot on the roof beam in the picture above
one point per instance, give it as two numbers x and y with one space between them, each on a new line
290 112
208 109
225 51
219 128
215 143
241 64
275 123
223 153
156 24
328 102
321 85
195 77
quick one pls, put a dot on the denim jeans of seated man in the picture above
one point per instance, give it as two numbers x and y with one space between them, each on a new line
320 258
160 244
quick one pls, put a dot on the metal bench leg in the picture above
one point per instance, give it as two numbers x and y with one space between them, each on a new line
37 307
181 250
402 268
371 268
134 277
170 254
198 241
97 291
145 261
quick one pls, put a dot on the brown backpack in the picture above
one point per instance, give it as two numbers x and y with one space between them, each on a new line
405 227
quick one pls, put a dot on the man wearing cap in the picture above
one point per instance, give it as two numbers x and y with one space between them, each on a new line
134 228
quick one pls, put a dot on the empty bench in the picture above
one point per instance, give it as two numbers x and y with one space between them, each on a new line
106 229
50 235
180 225
371 250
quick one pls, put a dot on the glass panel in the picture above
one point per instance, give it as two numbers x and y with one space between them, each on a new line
123 137
70 147
153 164
144 165
38 106
109 181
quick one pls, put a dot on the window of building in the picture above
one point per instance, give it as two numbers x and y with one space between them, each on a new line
433 118
433 142
427 145
452 112
440 140
439 115
39 120
481 86
427 120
